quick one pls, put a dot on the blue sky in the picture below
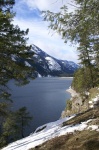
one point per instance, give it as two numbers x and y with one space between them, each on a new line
28 16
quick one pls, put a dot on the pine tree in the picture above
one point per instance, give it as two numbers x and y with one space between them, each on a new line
22 119
82 27
13 125
13 48
9 130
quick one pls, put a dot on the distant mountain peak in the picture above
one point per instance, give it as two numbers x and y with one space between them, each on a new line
46 65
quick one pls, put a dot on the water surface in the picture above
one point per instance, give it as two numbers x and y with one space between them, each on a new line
45 99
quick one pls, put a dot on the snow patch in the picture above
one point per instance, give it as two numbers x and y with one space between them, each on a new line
94 101
93 127
53 65
35 55
35 49
27 64
91 106
72 64
49 131
39 75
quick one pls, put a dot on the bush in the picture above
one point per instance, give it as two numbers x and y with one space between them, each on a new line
82 81
69 104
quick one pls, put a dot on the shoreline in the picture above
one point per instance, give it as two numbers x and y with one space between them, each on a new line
74 95
66 77
72 92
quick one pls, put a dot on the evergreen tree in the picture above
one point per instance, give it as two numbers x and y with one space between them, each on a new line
9 130
13 48
22 119
82 27
82 80
13 125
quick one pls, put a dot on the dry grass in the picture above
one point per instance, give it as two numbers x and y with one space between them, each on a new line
84 140
79 140
93 92
89 114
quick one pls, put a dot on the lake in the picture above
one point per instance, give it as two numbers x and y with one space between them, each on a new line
45 99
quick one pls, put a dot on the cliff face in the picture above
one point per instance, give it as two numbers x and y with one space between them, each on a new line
78 103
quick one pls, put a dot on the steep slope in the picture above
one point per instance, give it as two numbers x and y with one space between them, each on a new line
79 131
46 65
70 132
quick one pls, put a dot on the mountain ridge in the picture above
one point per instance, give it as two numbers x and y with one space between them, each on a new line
46 65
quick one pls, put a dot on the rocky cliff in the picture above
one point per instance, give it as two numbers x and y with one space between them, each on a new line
80 103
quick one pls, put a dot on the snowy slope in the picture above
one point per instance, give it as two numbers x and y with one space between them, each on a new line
46 65
47 132
52 64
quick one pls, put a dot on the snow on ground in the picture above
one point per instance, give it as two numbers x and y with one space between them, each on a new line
47 132
72 92
94 101
96 98
53 65
93 127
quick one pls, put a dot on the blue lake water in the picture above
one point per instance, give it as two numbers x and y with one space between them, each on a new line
45 99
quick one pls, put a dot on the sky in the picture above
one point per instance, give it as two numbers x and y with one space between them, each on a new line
28 15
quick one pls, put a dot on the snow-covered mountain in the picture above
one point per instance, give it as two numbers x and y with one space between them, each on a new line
46 65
